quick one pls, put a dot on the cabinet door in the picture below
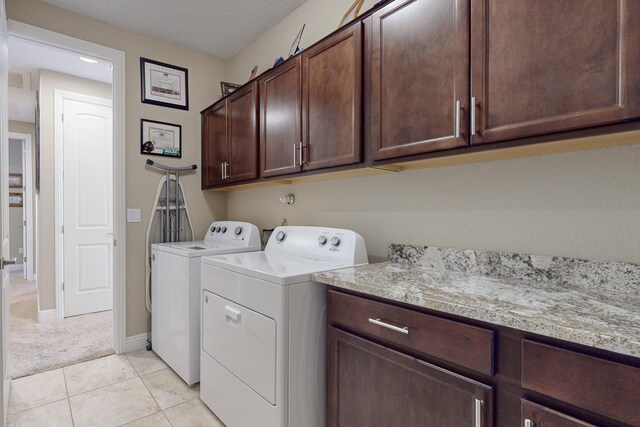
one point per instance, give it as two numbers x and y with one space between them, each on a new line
280 109
214 144
534 415
331 100
547 66
242 147
369 385
419 77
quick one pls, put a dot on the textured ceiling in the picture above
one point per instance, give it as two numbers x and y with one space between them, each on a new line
221 28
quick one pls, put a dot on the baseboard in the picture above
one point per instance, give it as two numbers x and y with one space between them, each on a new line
16 267
136 342
47 316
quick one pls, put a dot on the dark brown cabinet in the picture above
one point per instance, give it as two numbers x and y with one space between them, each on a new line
547 66
419 64
534 415
331 101
370 385
230 139
280 127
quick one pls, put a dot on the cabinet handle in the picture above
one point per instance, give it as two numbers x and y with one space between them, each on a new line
302 147
226 170
295 147
478 413
402 330
529 423
222 170
456 130
473 115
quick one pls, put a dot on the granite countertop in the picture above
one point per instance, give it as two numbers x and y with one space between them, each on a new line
530 300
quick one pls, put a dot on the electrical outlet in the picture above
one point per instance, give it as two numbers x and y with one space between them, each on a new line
133 215
20 251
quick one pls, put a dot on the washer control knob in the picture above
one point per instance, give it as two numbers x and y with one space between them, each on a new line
280 236
322 240
224 229
335 241
238 231
212 229
217 229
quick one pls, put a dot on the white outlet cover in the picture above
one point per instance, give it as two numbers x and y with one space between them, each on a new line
20 251
133 215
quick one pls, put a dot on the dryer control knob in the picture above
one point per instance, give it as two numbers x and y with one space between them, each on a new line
224 229
322 240
238 231
335 241
280 236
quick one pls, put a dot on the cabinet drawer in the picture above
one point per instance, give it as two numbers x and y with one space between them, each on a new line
534 415
595 384
464 345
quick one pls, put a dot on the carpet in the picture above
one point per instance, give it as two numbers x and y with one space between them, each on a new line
37 347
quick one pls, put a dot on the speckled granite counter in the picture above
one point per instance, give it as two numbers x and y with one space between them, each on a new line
534 294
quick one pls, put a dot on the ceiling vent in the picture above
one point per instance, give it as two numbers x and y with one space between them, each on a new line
20 80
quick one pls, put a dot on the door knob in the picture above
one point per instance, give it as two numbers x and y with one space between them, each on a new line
4 262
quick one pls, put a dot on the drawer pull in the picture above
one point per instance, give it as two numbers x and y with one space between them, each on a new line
528 423
403 330
479 413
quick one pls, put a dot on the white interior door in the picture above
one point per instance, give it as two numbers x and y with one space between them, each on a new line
25 242
87 202
4 216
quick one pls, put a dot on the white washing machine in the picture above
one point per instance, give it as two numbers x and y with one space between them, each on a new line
175 292
263 327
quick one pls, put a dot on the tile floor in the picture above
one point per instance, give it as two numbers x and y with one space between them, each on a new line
136 390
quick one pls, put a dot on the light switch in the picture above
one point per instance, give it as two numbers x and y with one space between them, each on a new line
133 215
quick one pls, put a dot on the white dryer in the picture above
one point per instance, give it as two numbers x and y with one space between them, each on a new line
175 292
263 327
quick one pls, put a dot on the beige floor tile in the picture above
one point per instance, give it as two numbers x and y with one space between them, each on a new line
97 373
145 361
168 388
113 405
193 413
55 414
156 420
36 390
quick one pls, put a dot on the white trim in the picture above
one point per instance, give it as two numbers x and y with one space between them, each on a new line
16 267
28 198
117 58
47 316
136 342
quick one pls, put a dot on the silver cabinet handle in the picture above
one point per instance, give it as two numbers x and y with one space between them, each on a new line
456 130
302 147
226 170
529 423
402 330
478 413
295 148
222 170
473 115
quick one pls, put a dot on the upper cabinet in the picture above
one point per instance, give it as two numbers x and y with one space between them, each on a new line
230 139
311 110
331 101
419 68
541 67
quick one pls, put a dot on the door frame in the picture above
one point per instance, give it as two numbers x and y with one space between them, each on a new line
117 59
59 96
28 200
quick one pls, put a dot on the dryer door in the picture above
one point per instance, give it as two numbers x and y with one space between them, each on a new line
241 340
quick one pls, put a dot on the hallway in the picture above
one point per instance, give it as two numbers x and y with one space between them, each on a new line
38 347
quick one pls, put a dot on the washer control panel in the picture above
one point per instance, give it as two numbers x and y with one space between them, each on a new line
233 232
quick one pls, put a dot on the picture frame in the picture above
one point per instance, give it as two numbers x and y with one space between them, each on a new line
16 200
226 88
164 84
160 138
15 180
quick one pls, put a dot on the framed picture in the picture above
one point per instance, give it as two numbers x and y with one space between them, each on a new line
164 84
15 200
226 88
15 180
160 139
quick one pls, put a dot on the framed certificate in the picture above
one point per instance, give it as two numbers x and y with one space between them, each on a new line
164 84
160 139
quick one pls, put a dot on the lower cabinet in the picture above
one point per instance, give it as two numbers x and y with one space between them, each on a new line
370 385
534 415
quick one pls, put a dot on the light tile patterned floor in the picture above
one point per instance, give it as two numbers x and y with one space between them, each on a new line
136 390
